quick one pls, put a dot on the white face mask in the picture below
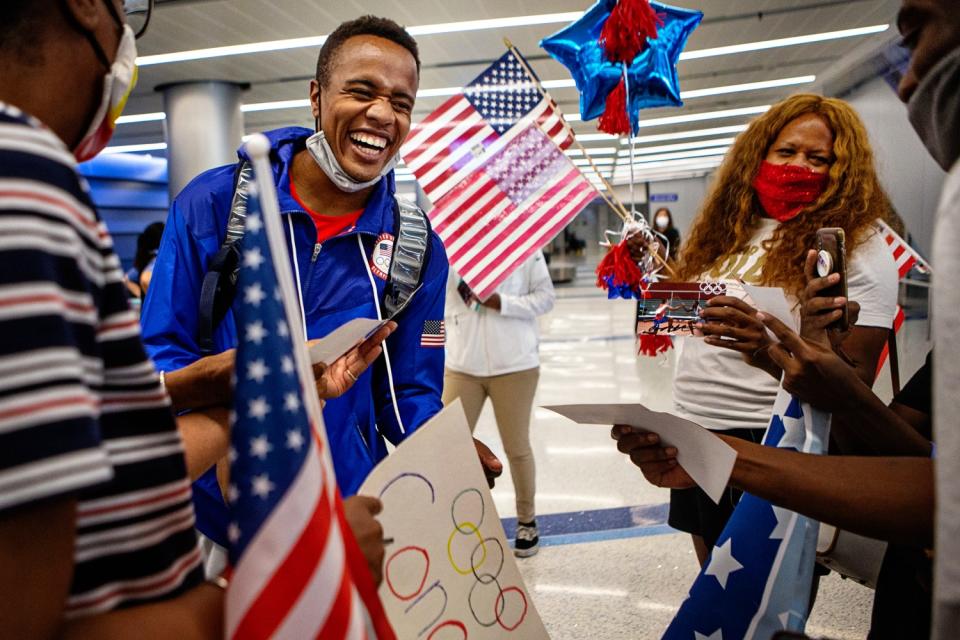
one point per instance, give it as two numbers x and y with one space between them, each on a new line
320 150
662 222
117 85
934 110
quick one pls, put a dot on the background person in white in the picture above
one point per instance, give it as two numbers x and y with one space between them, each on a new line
492 351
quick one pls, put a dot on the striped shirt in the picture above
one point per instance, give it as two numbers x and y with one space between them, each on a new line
82 412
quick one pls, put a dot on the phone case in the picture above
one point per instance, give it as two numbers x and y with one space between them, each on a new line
831 246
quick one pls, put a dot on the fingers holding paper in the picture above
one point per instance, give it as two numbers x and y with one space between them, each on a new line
657 461
336 379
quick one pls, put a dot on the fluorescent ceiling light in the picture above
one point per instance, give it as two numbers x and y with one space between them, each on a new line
663 148
783 42
130 148
584 162
624 169
691 153
273 106
680 135
317 41
747 86
593 151
142 117
595 137
706 115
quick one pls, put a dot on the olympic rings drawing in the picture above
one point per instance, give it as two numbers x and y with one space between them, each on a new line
449 623
453 511
476 531
713 288
475 566
500 601
410 474
423 580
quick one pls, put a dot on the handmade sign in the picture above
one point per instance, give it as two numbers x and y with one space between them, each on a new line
673 308
449 572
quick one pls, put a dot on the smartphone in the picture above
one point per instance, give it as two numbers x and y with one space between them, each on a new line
831 258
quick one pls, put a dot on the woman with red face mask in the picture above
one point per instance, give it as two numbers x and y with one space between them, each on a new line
804 164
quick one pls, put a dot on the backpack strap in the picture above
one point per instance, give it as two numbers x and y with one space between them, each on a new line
410 252
220 282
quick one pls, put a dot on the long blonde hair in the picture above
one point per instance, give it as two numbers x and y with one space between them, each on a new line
852 198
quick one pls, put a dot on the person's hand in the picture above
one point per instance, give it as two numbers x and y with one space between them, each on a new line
731 323
359 512
336 379
492 467
817 312
493 302
812 371
658 463
641 246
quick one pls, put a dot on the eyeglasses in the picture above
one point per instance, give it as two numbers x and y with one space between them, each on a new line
138 15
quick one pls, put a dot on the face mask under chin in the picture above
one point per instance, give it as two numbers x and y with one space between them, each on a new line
320 149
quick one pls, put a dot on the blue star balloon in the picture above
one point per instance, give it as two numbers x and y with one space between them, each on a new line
652 75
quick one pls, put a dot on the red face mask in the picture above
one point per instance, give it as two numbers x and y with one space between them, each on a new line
785 189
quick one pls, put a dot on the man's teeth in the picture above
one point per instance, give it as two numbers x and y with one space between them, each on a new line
375 142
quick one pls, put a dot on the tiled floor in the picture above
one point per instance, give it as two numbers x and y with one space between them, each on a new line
617 573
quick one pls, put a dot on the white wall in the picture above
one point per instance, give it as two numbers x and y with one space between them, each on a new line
912 179
690 193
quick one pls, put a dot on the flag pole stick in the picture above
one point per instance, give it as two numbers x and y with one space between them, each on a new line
613 201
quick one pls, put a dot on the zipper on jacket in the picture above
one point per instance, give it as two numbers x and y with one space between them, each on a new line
316 252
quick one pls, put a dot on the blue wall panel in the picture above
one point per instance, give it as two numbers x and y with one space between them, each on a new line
130 192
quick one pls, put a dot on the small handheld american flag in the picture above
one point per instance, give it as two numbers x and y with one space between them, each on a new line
491 161
298 572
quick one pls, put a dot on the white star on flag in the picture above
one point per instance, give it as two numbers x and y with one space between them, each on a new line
722 563
232 454
232 493
795 434
294 439
257 370
253 258
259 408
291 402
260 447
262 485
254 294
255 332
287 364
282 329
233 532
716 635
783 521
254 224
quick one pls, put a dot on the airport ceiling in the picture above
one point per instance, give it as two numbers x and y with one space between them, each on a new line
455 57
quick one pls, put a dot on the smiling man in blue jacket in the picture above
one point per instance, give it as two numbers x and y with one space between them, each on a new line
336 189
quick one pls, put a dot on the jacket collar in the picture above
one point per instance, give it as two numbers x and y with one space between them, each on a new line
285 143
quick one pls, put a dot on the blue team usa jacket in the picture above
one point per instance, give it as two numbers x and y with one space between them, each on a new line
336 288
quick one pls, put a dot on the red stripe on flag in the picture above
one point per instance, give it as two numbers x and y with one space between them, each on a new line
454 148
435 115
898 321
906 266
472 214
438 182
490 243
337 623
362 579
282 591
580 196
455 201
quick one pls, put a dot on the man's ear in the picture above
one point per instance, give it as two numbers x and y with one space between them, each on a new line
315 102
86 13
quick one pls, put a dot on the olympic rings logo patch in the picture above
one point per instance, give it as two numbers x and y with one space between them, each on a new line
713 288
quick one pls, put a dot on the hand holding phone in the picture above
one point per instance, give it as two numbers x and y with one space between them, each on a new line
831 258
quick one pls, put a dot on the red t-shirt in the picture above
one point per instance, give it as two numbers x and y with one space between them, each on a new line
327 226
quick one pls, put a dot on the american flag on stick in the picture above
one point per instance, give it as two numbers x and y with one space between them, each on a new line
297 571
491 160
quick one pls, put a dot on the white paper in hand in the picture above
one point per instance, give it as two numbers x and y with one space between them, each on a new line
449 571
708 459
772 301
342 339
